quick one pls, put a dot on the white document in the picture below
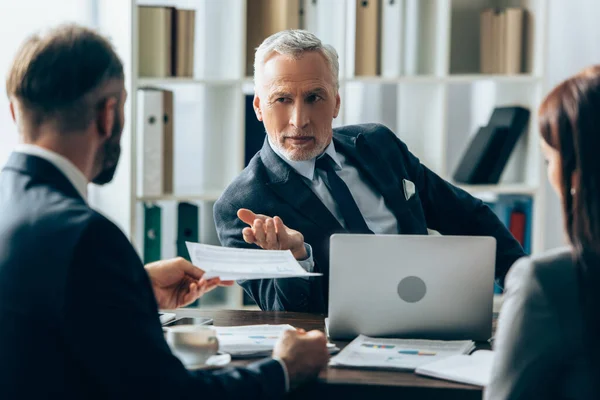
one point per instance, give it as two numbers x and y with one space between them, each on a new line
475 369
252 340
232 264
397 354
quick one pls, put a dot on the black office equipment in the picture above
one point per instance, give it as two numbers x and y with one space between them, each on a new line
488 152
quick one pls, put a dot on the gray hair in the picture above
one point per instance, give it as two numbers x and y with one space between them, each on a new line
293 43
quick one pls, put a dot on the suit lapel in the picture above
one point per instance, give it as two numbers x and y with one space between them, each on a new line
374 169
383 178
288 185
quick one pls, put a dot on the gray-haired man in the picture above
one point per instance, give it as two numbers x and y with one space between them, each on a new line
320 180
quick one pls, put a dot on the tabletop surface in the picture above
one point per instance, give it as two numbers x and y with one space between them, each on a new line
330 376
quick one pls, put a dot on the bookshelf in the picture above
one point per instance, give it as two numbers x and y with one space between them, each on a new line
429 91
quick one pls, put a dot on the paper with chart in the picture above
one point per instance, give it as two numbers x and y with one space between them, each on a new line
252 340
231 264
399 354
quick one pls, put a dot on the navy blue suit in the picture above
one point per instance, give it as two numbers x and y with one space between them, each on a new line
270 186
78 317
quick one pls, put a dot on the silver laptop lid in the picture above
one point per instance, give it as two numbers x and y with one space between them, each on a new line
437 287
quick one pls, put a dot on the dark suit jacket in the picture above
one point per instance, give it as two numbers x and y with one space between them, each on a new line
78 317
270 186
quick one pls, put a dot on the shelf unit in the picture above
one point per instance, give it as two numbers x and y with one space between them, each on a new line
434 109
460 78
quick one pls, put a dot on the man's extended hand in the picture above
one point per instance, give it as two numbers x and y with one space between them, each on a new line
271 234
177 282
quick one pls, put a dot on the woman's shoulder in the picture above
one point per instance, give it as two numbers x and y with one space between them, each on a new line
553 264
545 280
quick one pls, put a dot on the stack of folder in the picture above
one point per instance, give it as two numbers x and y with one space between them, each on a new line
166 42
502 40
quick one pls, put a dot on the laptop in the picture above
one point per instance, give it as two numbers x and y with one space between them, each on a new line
411 286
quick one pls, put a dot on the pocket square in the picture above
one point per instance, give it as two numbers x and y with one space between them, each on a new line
409 188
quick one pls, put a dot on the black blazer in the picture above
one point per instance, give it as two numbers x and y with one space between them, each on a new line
270 186
78 317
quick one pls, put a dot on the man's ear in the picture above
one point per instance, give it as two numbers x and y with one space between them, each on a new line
12 112
256 104
105 119
338 102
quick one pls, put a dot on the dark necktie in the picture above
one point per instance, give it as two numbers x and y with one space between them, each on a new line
355 223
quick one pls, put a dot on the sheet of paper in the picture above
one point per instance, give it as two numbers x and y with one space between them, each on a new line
231 264
401 354
253 340
249 340
475 369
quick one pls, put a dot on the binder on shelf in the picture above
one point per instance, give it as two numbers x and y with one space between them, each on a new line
516 213
185 21
254 131
187 227
168 144
489 150
495 57
155 142
152 233
150 150
367 45
264 18
513 45
392 38
486 42
155 46
187 231
411 37
502 40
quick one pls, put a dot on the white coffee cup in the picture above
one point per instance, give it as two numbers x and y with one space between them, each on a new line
192 344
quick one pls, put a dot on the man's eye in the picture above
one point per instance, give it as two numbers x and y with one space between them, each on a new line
313 97
281 100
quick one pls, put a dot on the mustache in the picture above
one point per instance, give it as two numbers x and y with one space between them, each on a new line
297 134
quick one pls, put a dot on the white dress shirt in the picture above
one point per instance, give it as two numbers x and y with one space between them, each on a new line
68 169
379 218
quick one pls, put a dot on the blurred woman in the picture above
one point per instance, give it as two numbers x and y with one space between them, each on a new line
548 339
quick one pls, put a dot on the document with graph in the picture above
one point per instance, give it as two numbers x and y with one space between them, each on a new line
232 264
397 354
253 340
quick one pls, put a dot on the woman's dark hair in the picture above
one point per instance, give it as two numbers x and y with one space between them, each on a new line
569 120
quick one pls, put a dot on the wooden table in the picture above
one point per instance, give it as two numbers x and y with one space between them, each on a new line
348 383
